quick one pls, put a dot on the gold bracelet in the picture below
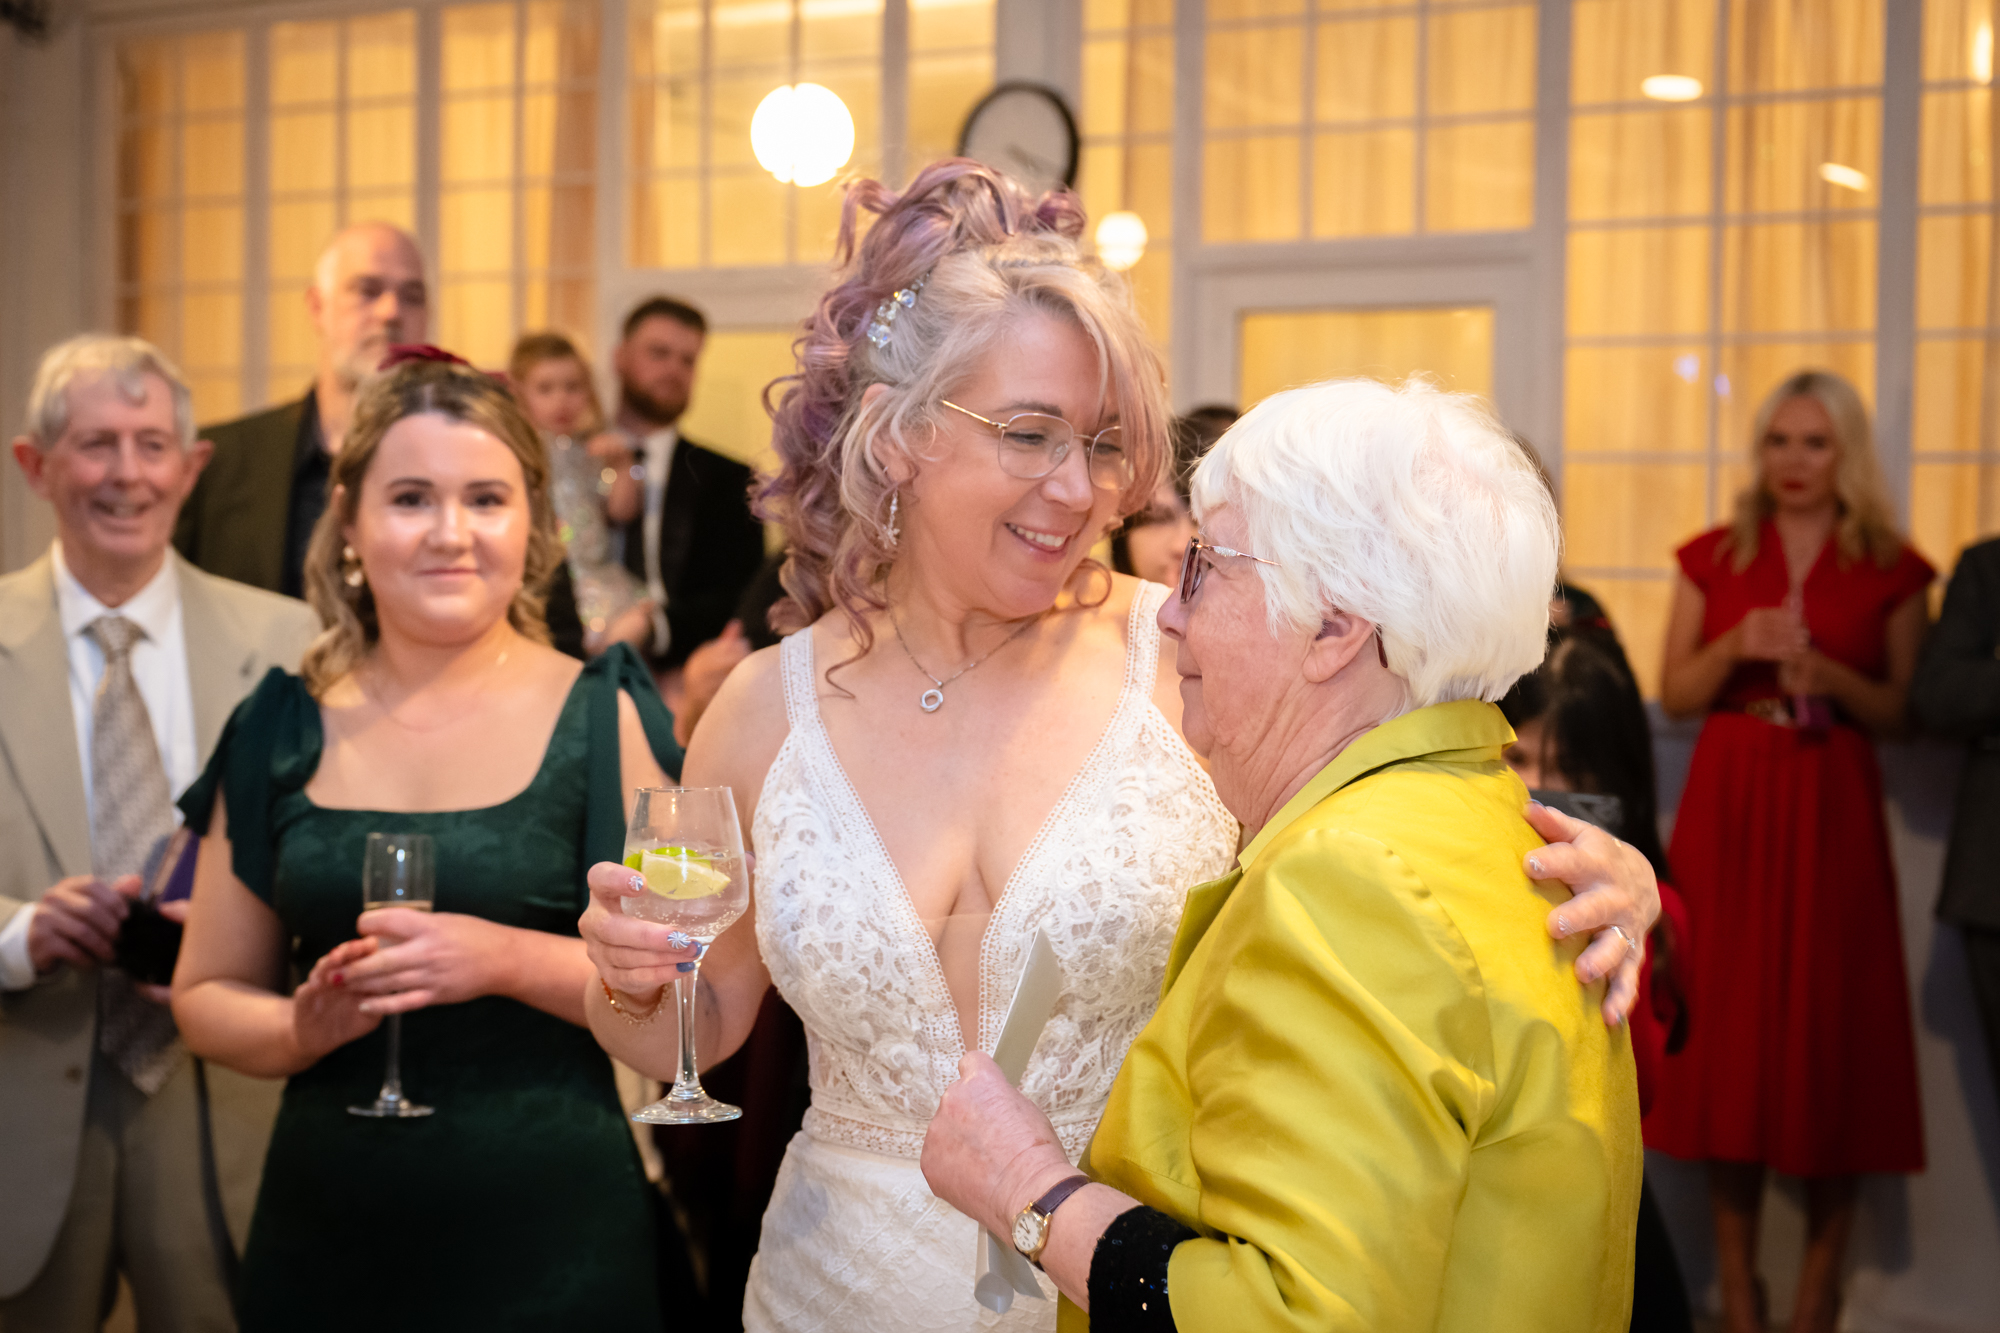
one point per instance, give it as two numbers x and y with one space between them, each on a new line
611 998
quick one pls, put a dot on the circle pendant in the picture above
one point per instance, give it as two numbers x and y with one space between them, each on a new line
932 700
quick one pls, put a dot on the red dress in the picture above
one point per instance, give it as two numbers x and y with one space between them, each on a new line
1800 1054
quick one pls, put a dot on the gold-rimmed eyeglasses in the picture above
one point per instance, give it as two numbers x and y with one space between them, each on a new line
1195 564
1034 444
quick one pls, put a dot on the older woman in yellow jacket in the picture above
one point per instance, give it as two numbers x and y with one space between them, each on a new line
1373 1097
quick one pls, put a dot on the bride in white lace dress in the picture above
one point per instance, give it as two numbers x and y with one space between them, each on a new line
970 735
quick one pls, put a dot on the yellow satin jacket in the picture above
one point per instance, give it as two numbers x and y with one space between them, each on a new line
1373 1085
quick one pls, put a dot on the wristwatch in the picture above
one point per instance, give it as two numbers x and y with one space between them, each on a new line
1031 1224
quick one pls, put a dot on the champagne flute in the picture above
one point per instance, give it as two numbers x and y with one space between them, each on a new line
688 845
396 871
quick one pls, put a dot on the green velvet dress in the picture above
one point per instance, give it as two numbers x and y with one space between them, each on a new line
520 1204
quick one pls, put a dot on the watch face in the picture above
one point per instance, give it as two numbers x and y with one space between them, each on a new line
1031 1231
1027 133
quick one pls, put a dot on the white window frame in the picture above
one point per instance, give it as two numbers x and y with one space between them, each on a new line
1520 273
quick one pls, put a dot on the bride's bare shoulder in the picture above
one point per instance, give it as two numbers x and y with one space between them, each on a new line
740 734
1108 597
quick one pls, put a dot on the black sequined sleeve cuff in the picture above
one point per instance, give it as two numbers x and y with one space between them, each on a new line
1128 1272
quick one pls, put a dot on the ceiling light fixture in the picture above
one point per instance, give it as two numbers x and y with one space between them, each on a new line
1671 88
1982 53
802 134
1847 178
1121 239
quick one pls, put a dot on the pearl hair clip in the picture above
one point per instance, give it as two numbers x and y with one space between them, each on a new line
884 323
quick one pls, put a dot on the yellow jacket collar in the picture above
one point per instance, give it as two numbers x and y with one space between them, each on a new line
1464 730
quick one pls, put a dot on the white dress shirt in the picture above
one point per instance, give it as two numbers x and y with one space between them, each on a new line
659 454
159 668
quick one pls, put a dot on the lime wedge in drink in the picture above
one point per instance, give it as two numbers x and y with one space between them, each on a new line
676 872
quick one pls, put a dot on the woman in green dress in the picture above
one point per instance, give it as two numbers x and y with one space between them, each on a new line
432 704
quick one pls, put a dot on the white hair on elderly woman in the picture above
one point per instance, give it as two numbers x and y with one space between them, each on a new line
1407 506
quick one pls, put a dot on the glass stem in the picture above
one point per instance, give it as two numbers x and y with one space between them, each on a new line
687 1082
392 1077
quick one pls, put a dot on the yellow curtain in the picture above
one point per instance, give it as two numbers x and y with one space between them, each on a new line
1955 486
563 40
1685 307
1374 125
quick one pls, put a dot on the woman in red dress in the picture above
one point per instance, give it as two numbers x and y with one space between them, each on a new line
1796 628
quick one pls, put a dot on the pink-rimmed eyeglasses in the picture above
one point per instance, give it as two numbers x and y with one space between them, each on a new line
1195 565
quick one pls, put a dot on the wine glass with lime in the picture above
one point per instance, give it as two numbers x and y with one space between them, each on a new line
687 844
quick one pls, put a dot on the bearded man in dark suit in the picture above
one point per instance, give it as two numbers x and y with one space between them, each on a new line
695 545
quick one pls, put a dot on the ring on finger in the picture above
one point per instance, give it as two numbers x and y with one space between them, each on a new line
1631 945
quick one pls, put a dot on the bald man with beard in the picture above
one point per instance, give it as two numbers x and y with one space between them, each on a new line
253 510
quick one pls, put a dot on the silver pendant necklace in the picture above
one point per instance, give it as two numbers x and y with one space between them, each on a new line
932 699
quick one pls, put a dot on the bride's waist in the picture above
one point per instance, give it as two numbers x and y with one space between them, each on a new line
890 1135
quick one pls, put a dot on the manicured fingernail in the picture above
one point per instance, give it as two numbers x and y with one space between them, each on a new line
1562 924
638 884
339 978
679 940
1535 868
1537 804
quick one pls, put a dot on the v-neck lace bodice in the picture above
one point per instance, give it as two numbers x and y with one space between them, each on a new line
1137 826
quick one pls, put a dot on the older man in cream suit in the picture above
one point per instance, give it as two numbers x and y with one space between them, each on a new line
119 663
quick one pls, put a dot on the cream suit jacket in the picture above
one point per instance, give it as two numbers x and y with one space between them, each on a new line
234 635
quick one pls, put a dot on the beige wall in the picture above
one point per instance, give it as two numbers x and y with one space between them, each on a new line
43 286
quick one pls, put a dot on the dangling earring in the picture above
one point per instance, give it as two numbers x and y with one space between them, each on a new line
895 530
351 572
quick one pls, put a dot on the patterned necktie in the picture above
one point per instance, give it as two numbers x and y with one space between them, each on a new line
131 810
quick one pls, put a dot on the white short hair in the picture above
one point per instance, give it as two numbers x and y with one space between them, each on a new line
1409 507
125 361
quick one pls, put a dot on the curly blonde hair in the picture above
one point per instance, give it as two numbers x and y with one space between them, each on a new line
988 254
414 388
1867 525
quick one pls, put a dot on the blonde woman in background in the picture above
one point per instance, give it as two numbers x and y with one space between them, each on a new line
1796 629
431 704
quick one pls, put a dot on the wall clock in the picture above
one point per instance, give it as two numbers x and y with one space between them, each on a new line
1025 130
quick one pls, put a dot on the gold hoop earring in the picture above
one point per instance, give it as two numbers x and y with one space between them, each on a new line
351 572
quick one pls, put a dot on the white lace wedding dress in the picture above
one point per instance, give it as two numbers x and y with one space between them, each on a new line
854 1239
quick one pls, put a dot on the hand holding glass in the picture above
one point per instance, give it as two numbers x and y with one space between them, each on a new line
396 871
687 844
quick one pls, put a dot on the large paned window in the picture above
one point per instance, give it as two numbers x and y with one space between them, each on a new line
1716 244
517 147
699 69
342 149
181 197
1128 135
1955 483
950 69
241 151
1324 120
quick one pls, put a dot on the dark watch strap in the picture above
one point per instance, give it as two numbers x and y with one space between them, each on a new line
1061 1190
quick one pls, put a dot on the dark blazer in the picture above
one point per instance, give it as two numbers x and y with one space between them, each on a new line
711 546
233 525
1956 693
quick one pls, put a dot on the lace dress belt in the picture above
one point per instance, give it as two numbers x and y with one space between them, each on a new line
900 1136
